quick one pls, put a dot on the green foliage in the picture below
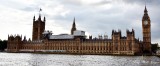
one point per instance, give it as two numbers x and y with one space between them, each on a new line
3 45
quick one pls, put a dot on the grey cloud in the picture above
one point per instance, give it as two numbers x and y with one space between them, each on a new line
99 20
78 3
103 2
71 2
29 9
142 2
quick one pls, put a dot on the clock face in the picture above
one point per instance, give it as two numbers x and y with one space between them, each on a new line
145 22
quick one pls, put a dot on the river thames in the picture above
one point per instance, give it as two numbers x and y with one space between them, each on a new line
30 59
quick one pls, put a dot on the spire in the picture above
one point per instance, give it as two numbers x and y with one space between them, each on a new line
145 16
29 39
145 10
39 18
34 18
44 19
73 26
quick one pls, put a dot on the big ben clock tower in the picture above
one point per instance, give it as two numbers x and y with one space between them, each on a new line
146 27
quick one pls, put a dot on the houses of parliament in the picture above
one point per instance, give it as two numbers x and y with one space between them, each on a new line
76 43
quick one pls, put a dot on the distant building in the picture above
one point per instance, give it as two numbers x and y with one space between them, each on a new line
77 43
158 52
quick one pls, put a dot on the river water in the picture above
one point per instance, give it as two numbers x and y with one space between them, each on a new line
31 59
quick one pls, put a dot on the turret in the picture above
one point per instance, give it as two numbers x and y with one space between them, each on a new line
24 39
39 18
90 37
130 34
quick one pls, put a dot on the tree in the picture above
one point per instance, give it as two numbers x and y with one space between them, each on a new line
3 45
154 47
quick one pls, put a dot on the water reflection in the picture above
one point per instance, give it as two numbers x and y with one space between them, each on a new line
29 59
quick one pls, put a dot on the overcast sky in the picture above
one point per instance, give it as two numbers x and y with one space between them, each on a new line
96 17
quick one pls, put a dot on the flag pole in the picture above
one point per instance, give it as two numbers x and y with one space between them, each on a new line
40 11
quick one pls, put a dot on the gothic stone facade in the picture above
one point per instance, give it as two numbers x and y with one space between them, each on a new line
79 45
128 45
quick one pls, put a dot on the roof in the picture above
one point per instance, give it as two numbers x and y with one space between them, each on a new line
61 36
